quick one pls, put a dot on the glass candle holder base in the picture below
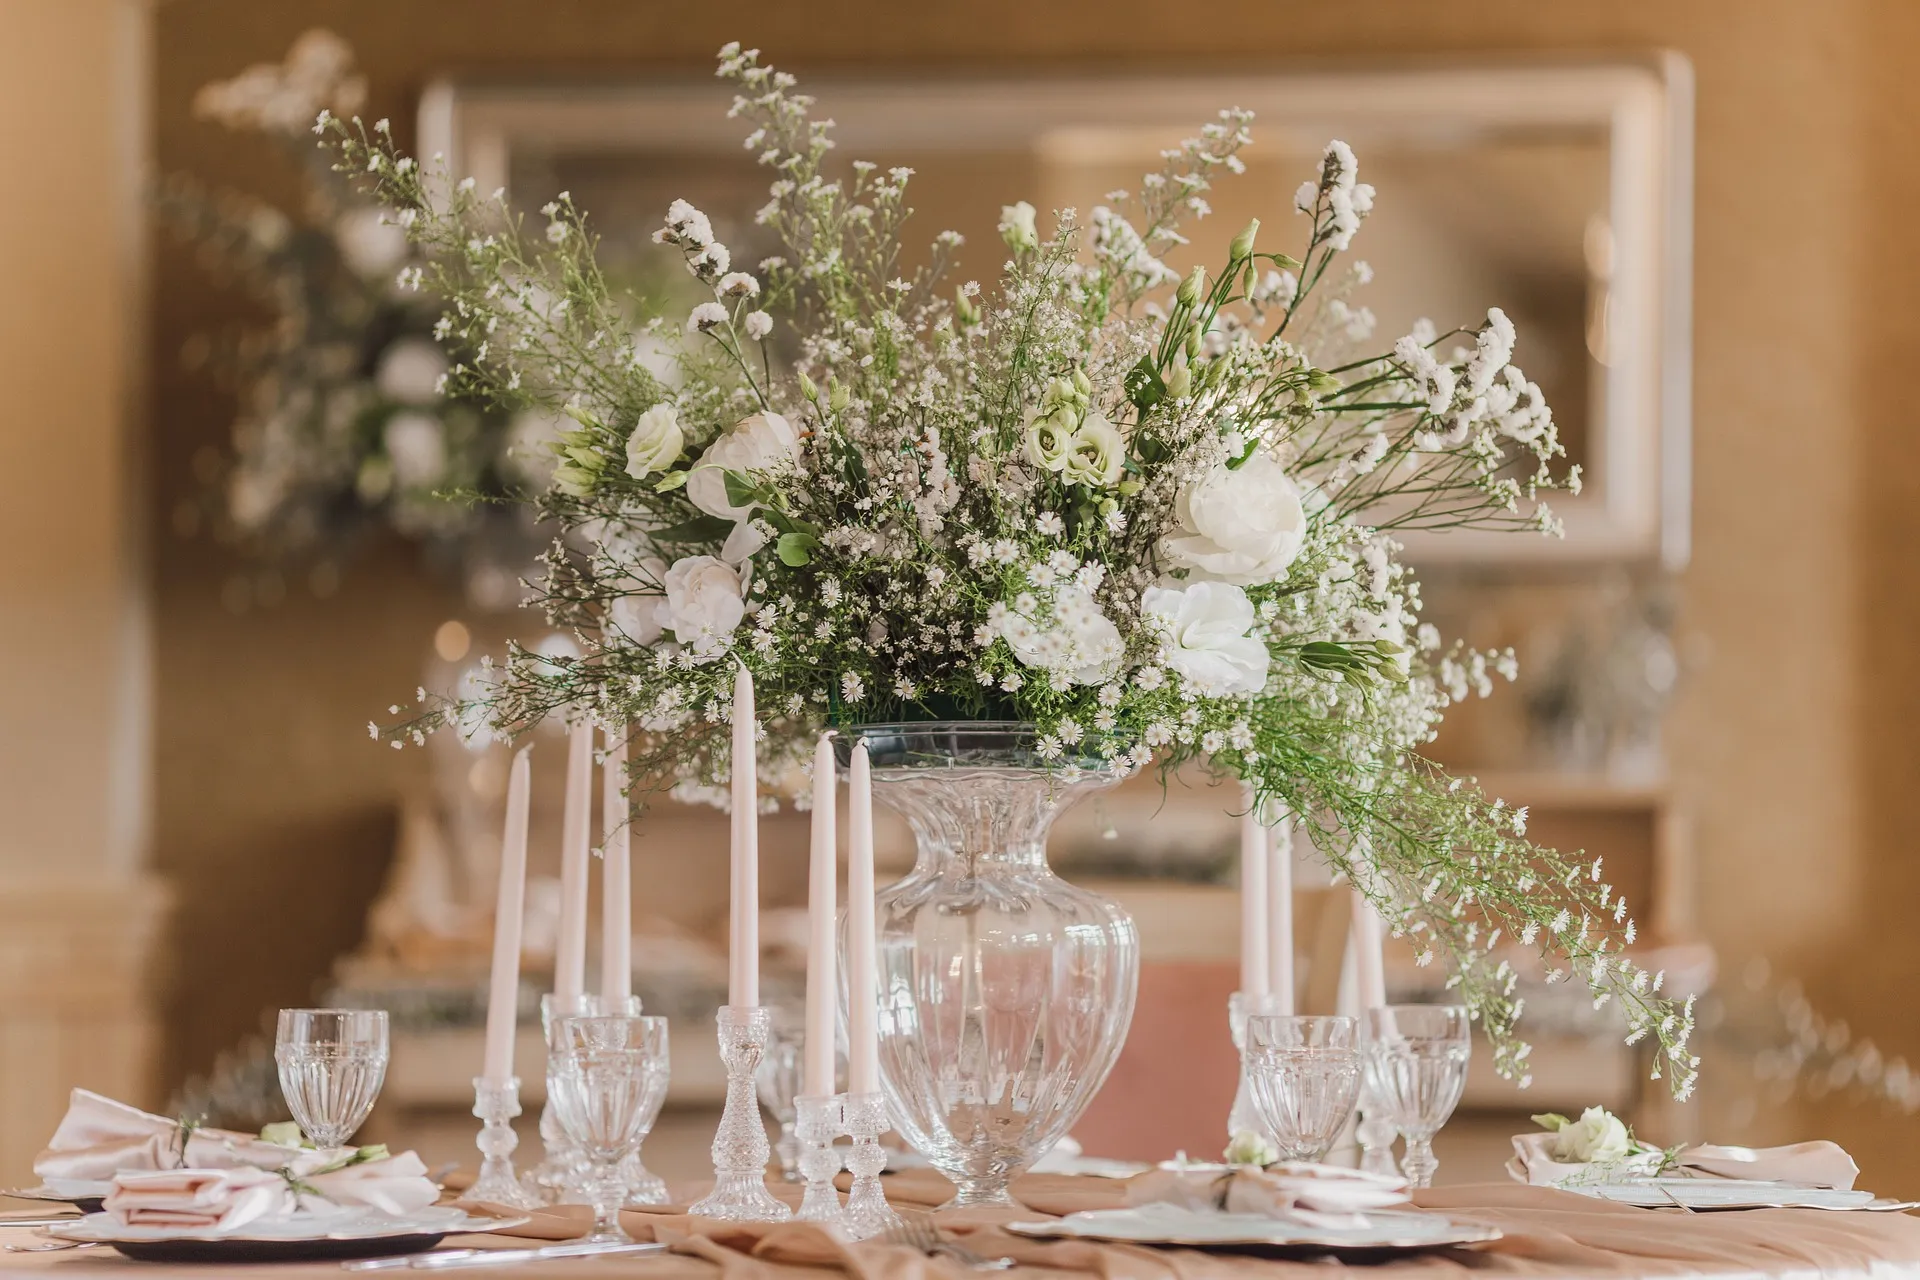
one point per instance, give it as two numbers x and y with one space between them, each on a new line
496 1104
817 1122
740 1147
1375 1134
644 1187
867 1213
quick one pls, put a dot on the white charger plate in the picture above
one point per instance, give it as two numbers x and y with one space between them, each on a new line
1729 1193
364 1234
1384 1230
74 1191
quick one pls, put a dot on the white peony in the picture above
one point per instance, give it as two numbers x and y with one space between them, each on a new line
1243 526
1097 453
410 371
704 605
1206 626
656 441
1077 641
1597 1137
764 442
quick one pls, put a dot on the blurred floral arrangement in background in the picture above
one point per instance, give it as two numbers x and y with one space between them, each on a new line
344 431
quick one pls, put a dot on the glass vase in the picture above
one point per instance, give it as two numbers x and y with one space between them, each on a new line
1005 992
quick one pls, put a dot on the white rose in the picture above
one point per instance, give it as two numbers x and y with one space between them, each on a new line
764 442
1597 1137
656 441
1096 455
1206 626
703 607
1241 526
639 617
410 371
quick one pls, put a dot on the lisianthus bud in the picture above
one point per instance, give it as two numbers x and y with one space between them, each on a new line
1242 246
1192 287
1081 383
807 389
1179 381
581 414
837 397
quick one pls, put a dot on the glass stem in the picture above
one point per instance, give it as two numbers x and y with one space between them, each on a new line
608 1192
1418 1165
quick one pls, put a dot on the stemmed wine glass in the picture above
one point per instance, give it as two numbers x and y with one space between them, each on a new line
606 1079
1416 1056
1303 1074
332 1063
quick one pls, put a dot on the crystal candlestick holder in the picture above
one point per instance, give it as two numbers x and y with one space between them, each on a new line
817 1122
1241 1006
867 1213
560 1178
497 1103
740 1148
1375 1134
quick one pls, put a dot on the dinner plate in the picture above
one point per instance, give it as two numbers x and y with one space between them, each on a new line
365 1234
85 1196
1377 1232
1727 1193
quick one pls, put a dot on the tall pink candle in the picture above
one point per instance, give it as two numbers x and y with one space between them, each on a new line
570 952
1253 902
503 991
863 981
1279 842
616 878
823 869
743 935
1369 965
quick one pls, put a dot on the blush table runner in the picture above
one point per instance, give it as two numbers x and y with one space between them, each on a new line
1549 1234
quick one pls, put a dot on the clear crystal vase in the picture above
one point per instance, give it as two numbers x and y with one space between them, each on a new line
1006 991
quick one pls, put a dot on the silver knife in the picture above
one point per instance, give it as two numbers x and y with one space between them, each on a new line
450 1258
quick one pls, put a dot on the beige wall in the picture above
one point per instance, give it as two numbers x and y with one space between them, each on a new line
75 916
1793 745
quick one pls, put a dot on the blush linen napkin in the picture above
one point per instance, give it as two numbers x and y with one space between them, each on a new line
1549 1235
1812 1164
313 1185
99 1137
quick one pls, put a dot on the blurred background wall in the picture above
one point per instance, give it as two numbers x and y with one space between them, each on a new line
1792 747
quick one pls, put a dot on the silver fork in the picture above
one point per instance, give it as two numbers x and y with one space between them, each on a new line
52 1246
917 1231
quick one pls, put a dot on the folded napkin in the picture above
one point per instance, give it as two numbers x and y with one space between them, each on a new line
312 1185
215 1200
99 1137
1812 1164
1322 1194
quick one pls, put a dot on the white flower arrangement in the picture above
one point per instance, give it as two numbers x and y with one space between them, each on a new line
1153 515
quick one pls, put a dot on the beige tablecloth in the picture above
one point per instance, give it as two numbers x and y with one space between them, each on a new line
1549 1233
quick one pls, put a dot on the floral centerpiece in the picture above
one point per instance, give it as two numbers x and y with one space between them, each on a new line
1150 512
344 427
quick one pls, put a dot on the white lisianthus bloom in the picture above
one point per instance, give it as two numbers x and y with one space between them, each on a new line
1049 441
1078 641
1206 626
704 605
656 441
1097 453
1597 1137
1243 526
1017 226
763 442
